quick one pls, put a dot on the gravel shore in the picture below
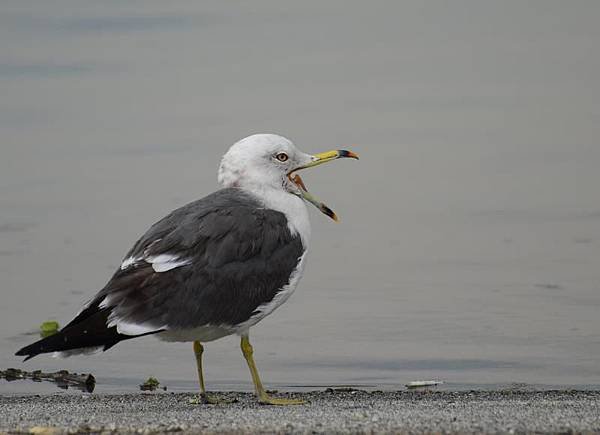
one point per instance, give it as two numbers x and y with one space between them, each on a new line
327 411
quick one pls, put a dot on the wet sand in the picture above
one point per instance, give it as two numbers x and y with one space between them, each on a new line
326 412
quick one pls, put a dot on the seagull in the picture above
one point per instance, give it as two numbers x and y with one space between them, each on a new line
212 268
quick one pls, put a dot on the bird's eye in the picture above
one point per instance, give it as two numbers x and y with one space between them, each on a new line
282 157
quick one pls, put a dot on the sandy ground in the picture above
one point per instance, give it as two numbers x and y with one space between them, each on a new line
327 411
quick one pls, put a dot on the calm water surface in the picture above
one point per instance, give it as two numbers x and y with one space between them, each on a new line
469 245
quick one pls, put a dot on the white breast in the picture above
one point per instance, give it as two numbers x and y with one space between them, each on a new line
293 207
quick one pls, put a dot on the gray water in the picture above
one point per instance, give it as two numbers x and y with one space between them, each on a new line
469 243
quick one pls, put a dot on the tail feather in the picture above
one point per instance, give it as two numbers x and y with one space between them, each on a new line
88 333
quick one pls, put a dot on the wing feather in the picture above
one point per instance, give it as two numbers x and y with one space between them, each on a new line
233 256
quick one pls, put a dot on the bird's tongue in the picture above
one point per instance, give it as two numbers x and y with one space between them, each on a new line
310 198
299 182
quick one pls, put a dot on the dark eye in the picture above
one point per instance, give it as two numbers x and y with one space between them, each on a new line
282 157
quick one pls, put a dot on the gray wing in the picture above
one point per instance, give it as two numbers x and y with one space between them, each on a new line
214 261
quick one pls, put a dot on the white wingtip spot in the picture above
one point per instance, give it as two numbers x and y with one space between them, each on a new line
129 262
104 303
165 262
160 263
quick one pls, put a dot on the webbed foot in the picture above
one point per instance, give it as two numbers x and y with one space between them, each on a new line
277 401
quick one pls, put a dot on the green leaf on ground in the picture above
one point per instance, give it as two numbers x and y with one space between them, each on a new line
151 384
49 328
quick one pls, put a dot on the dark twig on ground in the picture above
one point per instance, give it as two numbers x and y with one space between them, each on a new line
63 378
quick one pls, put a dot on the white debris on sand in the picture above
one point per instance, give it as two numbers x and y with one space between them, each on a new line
423 384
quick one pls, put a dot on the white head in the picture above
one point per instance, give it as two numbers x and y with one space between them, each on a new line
268 161
262 161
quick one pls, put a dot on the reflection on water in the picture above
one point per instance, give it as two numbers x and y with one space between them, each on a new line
470 230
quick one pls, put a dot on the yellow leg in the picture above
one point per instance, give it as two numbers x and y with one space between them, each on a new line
203 398
262 395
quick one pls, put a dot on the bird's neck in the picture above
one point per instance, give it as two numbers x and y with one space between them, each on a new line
293 207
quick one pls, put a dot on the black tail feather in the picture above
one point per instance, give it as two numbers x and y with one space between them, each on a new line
88 333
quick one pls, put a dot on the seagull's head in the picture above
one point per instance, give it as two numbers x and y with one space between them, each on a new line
269 161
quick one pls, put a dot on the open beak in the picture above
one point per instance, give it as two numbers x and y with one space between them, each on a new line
318 159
